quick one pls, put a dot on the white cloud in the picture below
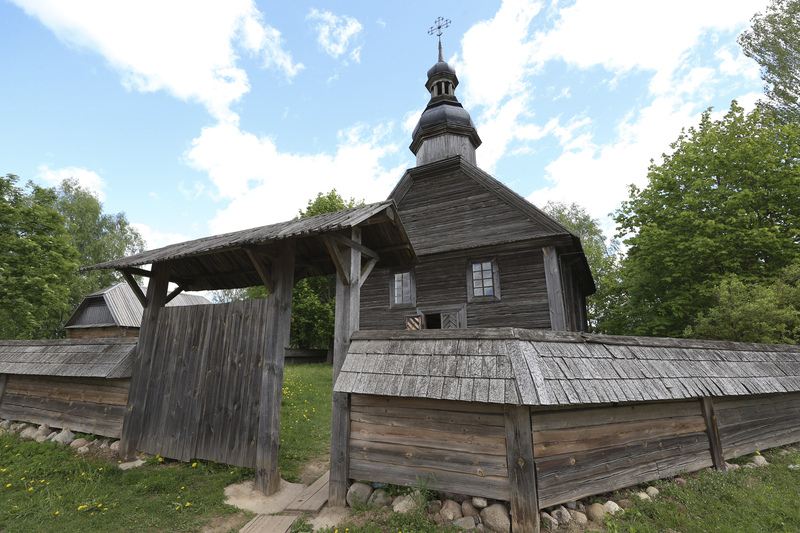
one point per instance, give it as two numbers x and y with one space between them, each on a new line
335 33
189 51
264 185
155 239
88 179
741 65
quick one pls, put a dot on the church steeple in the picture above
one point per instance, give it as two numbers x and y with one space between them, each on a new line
445 129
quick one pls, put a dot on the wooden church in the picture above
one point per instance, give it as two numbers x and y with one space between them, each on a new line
488 257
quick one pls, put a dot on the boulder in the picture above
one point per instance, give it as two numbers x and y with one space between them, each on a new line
465 522
358 494
625 503
456 497
65 437
572 506
407 504
380 498
28 433
652 492
83 449
578 517
467 509
596 512
547 521
680 481
496 518
611 507
434 506
760 461
5 424
451 510
114 446
79 443
562 515
480 503
643 495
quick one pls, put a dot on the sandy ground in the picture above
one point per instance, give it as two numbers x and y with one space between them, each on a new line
244 496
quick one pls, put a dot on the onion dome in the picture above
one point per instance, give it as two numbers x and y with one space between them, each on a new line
445 128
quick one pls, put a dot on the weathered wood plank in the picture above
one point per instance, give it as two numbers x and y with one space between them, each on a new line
712 430
279 316
428 438
555 294
409 455
313 497
521 470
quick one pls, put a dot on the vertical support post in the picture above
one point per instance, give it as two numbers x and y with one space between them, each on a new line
3 381
555 294
279 321
521 469
133 422
348 307
712 429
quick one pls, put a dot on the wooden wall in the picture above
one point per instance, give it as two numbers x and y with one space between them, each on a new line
590 450
102 333
442 283
88 405
403 441
757 422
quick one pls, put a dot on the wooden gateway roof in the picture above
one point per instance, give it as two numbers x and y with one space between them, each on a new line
224 262
118 306
93 358
547 368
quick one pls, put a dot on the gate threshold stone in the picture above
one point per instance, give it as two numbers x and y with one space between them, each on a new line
313 498
269 524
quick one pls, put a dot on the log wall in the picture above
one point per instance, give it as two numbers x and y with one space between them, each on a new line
590 450
408 441
88 405
756 423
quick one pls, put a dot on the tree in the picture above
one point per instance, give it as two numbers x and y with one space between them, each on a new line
756 312
726 201
35 260
773 43
96 236
313 299
602 253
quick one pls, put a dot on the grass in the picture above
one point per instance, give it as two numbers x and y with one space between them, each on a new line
46 487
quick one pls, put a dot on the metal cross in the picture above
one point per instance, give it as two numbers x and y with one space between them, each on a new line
438 25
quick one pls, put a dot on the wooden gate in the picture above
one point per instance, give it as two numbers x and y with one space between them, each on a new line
202 396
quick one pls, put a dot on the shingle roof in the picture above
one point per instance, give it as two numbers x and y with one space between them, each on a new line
221 262
117 305
517 366
97 358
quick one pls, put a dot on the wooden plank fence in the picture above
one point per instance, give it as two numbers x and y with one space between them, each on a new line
205 377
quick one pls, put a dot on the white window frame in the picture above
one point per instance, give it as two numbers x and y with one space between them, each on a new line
472 280
413 289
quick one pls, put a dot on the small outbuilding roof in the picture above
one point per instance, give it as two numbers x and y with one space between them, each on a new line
546 368
91 358
117 305
223 262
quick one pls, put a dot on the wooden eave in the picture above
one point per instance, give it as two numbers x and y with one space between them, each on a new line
95 358
548 368
232 260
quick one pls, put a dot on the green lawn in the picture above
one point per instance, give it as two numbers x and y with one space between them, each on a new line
45 487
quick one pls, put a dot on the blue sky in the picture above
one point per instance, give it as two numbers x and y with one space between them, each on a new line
197 118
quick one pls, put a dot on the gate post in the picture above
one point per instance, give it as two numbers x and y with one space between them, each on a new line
348 307
133 421
279 319
521 469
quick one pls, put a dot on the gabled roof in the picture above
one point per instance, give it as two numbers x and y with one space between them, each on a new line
546 368
117 305
95 358
222 261
452 205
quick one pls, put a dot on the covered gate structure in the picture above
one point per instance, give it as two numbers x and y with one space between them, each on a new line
201 374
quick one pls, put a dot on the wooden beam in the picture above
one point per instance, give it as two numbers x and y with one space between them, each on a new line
338 259
521 469
137 271
3 381
366 271
348 307
712 429
135 287
279 321
261 268
171 296
350 243
555 294
145 350
393 248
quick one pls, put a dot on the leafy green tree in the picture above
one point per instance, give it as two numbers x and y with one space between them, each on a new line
773 43
313 299
36 260
97 236
602 254
726 201
756 312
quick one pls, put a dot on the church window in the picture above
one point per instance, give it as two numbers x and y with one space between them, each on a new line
483 280
402 289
